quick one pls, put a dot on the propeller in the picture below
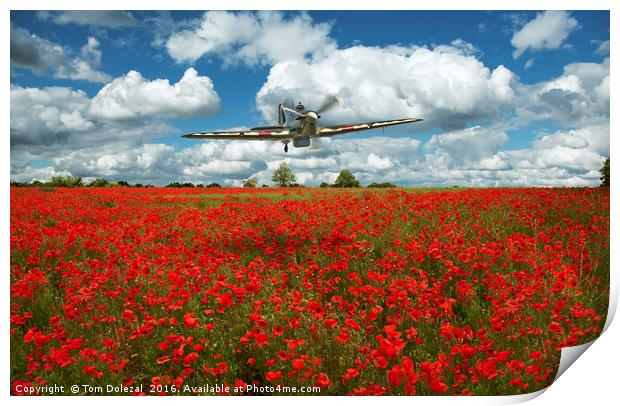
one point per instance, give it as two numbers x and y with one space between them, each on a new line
281 115
292 111
331 100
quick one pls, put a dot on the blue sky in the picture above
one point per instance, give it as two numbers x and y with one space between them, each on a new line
509 98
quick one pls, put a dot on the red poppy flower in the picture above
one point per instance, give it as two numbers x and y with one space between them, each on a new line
395 376
190 321
478 284
273 376
322 380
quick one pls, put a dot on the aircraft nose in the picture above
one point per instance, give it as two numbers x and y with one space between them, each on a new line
313 115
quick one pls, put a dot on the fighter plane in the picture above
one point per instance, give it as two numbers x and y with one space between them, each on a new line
304 129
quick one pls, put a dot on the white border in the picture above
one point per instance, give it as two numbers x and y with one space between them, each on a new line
308 5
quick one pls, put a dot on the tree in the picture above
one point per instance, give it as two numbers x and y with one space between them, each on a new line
605 173
61 181
346 179
324 184
283 175
213 185
250 183
74 181
123 183
58 181
99 182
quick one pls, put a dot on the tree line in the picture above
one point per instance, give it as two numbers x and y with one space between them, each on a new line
283 176
76 181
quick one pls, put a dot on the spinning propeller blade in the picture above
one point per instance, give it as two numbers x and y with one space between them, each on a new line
292 111
281 115
331 100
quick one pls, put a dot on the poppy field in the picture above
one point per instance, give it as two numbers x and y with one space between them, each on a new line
363 292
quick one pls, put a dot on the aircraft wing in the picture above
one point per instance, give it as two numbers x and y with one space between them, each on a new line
266 133
347 128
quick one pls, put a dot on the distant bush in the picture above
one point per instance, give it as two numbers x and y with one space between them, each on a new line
64 181
324 184
99 182
187 184
213 185
250 183
174 184
381 185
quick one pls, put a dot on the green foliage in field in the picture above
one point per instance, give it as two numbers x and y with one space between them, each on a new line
382 185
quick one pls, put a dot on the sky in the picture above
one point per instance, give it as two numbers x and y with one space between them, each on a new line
508 98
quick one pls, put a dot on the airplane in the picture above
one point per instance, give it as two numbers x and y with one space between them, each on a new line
305 128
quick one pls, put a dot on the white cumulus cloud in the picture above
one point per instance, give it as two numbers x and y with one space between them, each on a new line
251 38
562 158
603 48
127 112
47 116
43 56
132 96
576 152
102 18
445 86
579 97
470 145
548 30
